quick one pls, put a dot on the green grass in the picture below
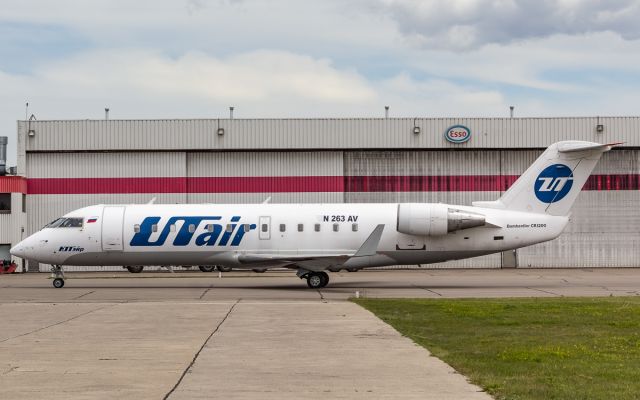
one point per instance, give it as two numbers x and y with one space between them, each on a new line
560 348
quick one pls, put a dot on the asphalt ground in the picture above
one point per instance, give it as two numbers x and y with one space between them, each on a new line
244 336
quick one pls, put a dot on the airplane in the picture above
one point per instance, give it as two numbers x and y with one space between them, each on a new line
314 238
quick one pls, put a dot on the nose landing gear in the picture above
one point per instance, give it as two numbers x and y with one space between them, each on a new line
58 276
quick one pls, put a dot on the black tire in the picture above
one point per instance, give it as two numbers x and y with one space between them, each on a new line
316 280
259 271
207 268
325 278
352 269
134 269
58 283
222 268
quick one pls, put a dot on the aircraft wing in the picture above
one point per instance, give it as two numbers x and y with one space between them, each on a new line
315 261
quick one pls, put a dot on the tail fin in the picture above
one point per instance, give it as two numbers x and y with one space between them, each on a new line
552 183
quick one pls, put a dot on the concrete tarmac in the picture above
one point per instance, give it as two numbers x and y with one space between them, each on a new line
244 336
284 285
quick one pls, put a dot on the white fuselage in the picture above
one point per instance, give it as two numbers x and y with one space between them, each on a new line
266 235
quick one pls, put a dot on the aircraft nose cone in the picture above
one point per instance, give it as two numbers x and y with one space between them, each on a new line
18 250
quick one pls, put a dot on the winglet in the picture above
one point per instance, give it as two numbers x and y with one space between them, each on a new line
370 246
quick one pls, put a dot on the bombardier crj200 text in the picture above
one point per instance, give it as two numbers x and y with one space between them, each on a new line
313 238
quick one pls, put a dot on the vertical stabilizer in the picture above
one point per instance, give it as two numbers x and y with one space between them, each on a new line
552 183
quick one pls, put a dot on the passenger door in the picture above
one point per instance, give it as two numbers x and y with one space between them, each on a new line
112 228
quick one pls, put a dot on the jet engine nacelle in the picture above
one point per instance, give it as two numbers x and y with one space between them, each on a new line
434 219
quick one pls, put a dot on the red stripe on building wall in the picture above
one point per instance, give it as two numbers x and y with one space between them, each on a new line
455 183
309 184
105 185
13 184
264 184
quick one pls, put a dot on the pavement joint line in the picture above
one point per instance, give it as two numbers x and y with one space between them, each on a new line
544 291
82 295
57 323
205 292
193 360
428 290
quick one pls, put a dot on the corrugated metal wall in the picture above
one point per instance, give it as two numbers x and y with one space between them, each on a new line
372 133
605 225
266 164
603 231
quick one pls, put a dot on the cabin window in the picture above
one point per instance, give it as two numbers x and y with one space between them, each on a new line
265 228
336 227
354 227
283 227
154 228
317 228
246 227
229 228
136 228
192 228
172 228
300 227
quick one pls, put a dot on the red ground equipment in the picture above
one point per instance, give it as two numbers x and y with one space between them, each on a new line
7 267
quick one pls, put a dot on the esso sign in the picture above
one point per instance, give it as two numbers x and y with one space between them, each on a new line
457 134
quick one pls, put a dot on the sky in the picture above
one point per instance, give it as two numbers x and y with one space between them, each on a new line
326 58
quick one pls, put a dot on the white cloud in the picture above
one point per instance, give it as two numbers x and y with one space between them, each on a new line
468 24
253 76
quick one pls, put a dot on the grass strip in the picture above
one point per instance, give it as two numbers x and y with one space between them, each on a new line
539 348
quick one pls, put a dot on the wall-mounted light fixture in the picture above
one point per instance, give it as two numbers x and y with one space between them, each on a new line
599 128
220 131
416 128
30 131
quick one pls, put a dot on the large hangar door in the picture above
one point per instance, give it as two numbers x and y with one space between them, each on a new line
112 228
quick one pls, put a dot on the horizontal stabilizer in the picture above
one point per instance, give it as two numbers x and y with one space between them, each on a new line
571 147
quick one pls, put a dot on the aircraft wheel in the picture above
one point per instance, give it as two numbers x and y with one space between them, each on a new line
207 268
58 283
352 269
317 280
325 278
222 268
135 269
259 271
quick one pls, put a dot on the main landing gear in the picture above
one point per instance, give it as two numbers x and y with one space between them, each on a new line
316 280
58 276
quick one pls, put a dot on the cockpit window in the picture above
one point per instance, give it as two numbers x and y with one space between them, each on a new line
54 223
66 223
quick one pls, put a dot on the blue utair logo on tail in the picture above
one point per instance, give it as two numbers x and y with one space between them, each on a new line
211 234
553 183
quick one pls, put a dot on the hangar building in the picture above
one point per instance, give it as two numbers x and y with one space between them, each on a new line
74 163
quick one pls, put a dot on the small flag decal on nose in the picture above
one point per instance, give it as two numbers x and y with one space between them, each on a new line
92 219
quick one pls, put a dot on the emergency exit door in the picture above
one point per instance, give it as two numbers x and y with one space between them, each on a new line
265 228
112 228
